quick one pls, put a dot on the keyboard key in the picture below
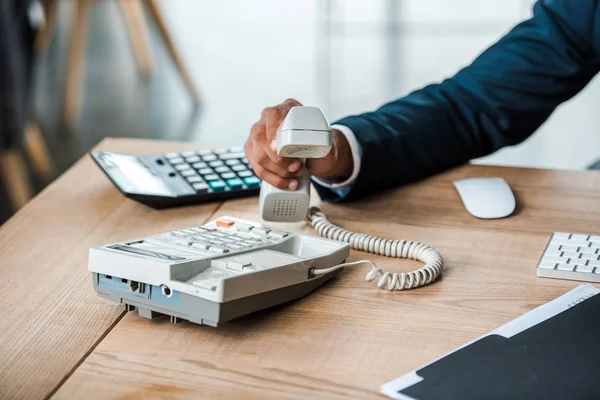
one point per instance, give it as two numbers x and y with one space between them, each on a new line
229 156
571 254
189 153
577 261
210 157
221 151
594 264
217 185
228 175
232 162
215 163
171 155
244 174
561 235
200 165
564 247
194 179
193 159
176 160
222 170
239 167
204 152
545 264
584 268
182 167
213 177
588 256
565 267
252 181
281 235
235 183
581 243
179 234
236 149
594 238
245 160
188 172
579 237
206 171
200 187
555 259
590 250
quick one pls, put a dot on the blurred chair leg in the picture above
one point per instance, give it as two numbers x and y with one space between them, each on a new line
44 37
138 34
162 28
15 177
76 54
38 154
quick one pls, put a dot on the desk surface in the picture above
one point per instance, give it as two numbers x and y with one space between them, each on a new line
58 339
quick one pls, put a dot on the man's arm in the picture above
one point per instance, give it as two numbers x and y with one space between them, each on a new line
499 100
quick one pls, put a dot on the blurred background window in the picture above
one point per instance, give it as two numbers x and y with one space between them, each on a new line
202 70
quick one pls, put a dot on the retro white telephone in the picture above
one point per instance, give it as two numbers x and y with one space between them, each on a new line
305 133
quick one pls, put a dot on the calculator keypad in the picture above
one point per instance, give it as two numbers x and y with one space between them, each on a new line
214 171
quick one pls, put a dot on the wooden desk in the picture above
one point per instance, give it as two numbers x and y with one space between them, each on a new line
58 339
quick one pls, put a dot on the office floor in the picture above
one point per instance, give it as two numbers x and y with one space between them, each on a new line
345 56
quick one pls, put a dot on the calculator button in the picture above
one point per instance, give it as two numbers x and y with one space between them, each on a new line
182 167
213 177
221 151
215 163
204 152
206 171
239 167
232 162
252 181
171 155
200 165
245 174
194 179
245 160
200 187
228 175
217 185
188 172
229 156
188 153
222 169
176 160
210 157
236 149
235 183
192 159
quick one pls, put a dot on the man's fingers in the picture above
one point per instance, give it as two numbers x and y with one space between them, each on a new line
282 169
268 176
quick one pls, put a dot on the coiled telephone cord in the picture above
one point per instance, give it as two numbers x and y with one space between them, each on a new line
390 248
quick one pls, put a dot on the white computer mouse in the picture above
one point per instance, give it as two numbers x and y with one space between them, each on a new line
486 198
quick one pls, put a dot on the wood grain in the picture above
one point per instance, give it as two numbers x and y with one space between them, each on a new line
51 316
347 338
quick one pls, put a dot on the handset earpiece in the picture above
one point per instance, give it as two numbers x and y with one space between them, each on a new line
304 133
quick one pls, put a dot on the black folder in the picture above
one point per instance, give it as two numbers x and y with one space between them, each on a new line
558 358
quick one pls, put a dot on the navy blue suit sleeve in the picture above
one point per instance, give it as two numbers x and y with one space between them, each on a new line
499 100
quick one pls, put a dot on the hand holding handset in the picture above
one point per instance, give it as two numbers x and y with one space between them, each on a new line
305 133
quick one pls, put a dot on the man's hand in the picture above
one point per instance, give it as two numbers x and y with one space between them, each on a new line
261 151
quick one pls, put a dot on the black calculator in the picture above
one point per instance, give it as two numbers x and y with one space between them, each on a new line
177 179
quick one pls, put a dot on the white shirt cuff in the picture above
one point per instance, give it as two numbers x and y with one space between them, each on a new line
356 150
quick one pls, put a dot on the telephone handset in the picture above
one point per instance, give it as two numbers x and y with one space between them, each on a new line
305 133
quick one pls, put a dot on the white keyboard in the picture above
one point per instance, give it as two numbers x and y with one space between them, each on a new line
571 256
